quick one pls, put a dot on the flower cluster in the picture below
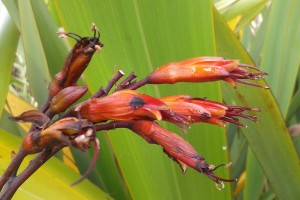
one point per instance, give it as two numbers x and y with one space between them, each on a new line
126 108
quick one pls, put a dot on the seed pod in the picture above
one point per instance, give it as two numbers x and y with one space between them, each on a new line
66 97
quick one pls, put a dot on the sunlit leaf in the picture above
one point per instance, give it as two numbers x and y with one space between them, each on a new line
52 181
8 46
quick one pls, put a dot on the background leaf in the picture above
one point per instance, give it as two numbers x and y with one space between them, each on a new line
283 177
38 72
279 55
52 181
8 44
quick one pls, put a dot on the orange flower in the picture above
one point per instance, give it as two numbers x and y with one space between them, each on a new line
176 147
202 110
76 61
124 105
204 69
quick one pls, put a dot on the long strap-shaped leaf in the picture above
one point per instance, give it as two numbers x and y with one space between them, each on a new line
269 138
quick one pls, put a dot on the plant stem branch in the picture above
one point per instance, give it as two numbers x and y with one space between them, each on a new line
112 125
126 81
101 92
13 167
138 84
15 182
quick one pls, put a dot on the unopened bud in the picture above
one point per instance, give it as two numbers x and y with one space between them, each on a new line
66 97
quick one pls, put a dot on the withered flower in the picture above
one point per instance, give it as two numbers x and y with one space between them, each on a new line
66 97
175 147
205 69
124 105
203 110
76 61
33 116
62 132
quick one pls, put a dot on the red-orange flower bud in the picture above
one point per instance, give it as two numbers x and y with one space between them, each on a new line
202 110
124 105
66 97
204 69
176 147
76 61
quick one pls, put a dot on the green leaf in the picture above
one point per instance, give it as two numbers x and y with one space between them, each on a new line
8 46
280 57
51 181
250 15
255 178
11 6
54 48
268 139
242 7
38 73
140 36
294 105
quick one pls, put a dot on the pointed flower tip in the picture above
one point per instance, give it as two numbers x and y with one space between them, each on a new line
255 109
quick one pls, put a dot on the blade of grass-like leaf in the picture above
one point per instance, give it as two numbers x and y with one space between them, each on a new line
52 181
281 49
238 152
140 36
249 16
8 46
294 105
11 6
38 73
258 41
54 48
254 178
268 139
242 7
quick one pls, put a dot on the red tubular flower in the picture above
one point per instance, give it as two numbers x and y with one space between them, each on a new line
124 105
175 147
204 69
76 62
202 110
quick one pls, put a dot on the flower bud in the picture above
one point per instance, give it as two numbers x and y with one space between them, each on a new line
176 147
76 61
205 69
124 105
66 97
202 110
